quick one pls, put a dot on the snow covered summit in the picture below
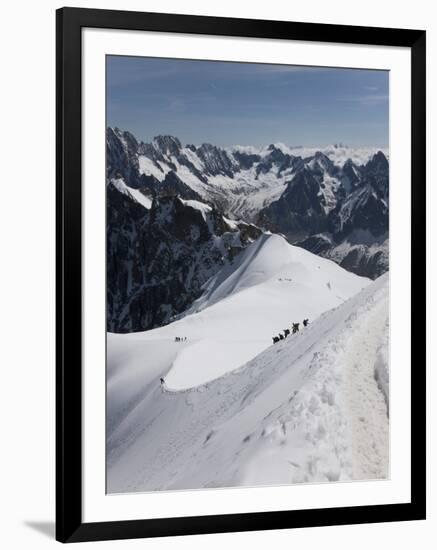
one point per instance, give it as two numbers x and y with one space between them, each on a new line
263 291
294 274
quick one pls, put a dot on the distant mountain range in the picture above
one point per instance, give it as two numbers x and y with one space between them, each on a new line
177 214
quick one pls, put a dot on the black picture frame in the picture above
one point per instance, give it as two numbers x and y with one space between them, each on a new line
69 524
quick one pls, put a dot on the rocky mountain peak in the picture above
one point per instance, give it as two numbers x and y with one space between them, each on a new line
376 173
378 163
160 258
127 138
167 145
324 160
216 160
319 191
121 159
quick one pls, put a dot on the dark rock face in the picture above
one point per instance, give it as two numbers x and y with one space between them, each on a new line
171 185
168 145
158 259
215 160
299 210
364 210
319 244
359 201
358 217
366 260
275 157
246 160
375 173
121 156
362 261
325 162
125 225
351 175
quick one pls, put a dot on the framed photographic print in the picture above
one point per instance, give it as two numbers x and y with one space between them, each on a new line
240 274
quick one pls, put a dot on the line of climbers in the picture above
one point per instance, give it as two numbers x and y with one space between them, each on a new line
294 329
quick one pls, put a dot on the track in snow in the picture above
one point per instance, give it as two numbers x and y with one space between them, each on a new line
289 415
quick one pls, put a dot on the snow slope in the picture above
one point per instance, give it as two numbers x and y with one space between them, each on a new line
248 192
270 285
134 194
312 408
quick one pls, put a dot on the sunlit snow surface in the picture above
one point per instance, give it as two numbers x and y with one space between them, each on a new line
134 194
237 410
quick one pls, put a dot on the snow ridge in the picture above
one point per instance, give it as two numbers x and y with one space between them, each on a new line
289 415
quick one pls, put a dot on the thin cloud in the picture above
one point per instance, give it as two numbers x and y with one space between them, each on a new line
369 99
225 102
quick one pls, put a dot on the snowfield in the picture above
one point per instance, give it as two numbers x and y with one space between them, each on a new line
270 285
134 194
236 410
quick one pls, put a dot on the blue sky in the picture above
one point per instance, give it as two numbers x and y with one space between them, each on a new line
244 103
